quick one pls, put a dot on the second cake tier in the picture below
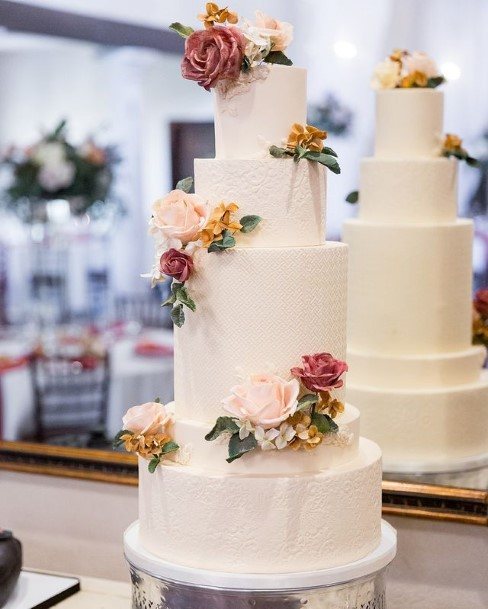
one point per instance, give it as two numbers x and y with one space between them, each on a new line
258 310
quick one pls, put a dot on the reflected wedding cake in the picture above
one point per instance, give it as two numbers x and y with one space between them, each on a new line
414 373
257 467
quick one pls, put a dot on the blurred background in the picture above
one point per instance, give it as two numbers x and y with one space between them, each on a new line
96 123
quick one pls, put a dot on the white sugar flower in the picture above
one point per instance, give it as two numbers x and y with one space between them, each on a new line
258 43
265 439
49 153
386 75
420 62
245 428
286 435
54 176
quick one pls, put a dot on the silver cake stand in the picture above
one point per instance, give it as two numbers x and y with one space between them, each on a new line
157 584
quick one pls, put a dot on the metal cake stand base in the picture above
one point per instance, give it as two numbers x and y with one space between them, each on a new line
157 584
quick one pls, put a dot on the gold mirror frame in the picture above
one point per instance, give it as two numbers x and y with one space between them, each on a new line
399 498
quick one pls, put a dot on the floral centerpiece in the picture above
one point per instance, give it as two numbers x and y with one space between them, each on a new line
406 70
272 413
54 168
182 225
228 47
480 318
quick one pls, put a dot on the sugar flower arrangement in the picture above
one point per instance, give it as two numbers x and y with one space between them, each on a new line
452 146
405 70
226 47
272 413
307 142
480 318
181 225
147 431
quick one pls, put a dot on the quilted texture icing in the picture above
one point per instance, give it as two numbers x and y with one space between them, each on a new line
263 524
289 196
258 310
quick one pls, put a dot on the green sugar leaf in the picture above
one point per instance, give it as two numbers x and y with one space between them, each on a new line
222 425
183 30
307 401
327 160
185 299
238 447
186 184
169 447
353 196
178 315
153 463
324 423
249 223
435 81
278 57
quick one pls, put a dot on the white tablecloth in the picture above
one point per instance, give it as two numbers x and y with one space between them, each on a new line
135 379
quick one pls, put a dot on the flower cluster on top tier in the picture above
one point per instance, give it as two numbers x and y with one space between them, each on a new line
223 49
307 142
480 318
405 70
181 224
147 431
272 413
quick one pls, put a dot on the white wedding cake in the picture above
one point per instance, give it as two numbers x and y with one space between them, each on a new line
258 467
414 373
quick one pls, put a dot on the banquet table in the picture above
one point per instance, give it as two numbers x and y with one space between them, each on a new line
134 378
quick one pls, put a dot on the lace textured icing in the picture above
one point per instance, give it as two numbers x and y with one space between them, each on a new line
229 89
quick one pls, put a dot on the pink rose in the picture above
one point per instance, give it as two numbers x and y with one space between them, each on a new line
178 217
147 419
266 400
481 302
420 62
176 264
320 372
279 32
212 55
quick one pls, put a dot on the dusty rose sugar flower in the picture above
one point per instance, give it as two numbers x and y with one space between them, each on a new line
176 264
481 302
320 372
213 54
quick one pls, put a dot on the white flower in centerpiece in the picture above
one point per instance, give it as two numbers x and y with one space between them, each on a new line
49 153
265 439
245 428
420 62
286 435
54 176
386 75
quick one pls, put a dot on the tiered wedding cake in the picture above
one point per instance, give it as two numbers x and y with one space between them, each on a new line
289 486
413 372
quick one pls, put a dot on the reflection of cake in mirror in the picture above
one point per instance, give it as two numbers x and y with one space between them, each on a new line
414 374
10 564
258 466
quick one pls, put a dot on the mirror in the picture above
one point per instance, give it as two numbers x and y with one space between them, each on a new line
115 126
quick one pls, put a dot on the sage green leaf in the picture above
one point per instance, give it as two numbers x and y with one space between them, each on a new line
472 162
327 160
227 241
117 440
278 57
169 447
279 153
185 185
175 286
153 463
249 223
301 152
435 81
169 301
214 247
178 315
353 196
238 447
183 297
183 30
222 425
327 150
307 401
158 400
324 423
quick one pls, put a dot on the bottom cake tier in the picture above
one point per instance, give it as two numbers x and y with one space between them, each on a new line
426 430
244 523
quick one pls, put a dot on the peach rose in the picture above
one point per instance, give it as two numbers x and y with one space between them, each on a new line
265 401
420 62
279 32
147 419
178 217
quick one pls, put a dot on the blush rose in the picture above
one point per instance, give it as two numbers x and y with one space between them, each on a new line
213 54
265 401
280 32
320 372
178 217
147 419
175 263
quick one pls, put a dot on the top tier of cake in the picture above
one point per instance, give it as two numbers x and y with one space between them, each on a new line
409 123
259 111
